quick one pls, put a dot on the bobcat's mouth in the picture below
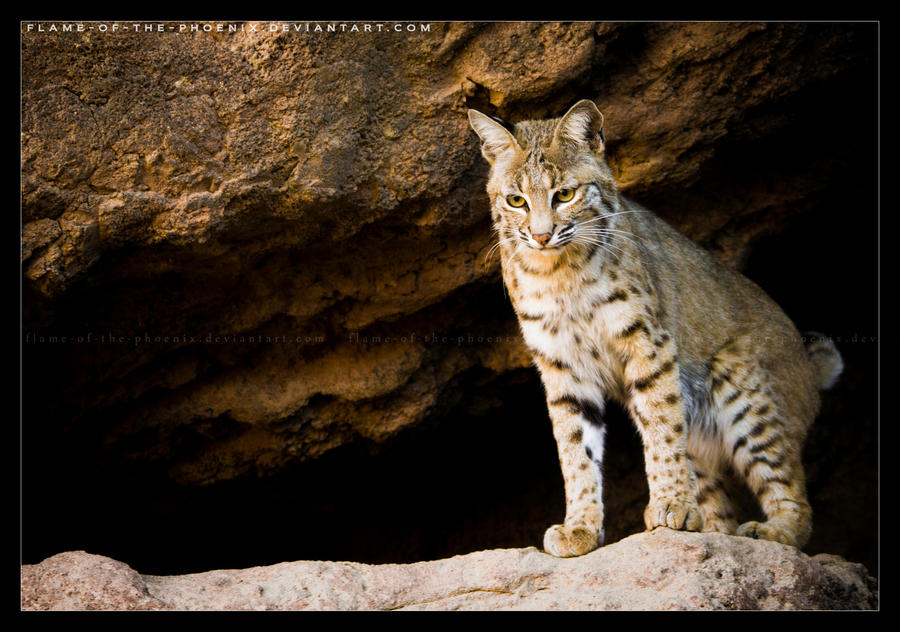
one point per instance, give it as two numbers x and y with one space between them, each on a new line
549 242
546 248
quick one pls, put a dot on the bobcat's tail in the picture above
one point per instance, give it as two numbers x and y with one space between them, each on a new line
825 357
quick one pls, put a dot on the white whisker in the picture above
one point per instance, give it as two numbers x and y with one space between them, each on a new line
602 232
612 237
597 218
618 230
496 246
604 245
516 250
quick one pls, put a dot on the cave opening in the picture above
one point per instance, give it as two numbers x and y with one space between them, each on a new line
458 482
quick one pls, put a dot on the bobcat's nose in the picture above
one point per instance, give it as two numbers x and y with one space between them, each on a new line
543 238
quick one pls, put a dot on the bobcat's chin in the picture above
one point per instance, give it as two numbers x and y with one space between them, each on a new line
547 250
544 256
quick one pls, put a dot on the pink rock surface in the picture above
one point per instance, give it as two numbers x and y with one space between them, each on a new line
659 570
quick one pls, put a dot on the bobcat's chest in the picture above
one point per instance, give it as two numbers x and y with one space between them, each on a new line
570 321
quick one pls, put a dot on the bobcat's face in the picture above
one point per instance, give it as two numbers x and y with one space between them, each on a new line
546 209
548 180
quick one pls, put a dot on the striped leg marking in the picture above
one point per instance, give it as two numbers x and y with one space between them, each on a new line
762 453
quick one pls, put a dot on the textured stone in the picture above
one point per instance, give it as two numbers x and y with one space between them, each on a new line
80 581
660 570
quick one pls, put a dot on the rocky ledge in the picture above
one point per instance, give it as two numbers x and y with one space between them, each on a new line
658 570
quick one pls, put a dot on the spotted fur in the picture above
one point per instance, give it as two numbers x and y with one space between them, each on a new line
614 304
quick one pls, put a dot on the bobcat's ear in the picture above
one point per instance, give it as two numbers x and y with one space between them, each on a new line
495 138
582 124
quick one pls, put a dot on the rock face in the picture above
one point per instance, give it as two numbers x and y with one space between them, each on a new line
255 273
660 570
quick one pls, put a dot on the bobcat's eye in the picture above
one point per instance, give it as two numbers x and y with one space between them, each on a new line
515 200
564 195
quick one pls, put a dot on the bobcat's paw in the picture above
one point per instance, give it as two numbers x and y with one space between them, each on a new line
766 531
719 525
563 540
682 514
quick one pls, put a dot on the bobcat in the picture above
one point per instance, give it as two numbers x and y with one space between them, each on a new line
615 304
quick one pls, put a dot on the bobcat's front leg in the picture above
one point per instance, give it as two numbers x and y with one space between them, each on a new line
579 431
657 408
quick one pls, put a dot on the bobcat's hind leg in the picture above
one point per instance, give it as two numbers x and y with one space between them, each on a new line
763 446
779 484
705 456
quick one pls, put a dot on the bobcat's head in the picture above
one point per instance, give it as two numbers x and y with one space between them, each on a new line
549 185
